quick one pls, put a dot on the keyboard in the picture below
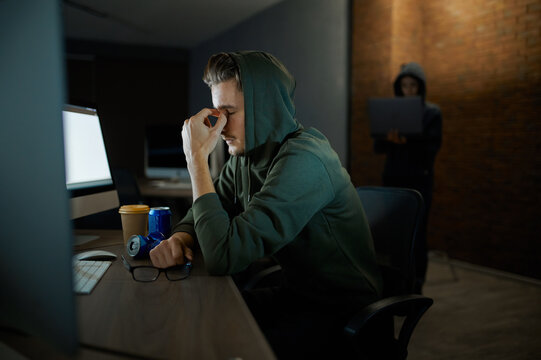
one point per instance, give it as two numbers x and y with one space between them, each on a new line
86 274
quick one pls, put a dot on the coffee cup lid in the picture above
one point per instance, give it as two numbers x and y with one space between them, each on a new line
134 209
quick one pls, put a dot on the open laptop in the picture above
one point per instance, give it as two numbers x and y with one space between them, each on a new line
402 113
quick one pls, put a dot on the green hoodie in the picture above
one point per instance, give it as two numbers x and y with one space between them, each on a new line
288 196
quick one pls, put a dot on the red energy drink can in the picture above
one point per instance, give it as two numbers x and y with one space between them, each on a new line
159 220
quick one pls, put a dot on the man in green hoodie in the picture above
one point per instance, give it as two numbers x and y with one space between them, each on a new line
283 193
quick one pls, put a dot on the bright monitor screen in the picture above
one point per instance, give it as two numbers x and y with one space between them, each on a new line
88 176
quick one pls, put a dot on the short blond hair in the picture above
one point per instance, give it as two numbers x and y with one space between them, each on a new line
221 67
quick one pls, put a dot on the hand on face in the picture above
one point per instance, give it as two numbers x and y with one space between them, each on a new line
199 137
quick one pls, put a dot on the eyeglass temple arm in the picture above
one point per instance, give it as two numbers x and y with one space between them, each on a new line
126 263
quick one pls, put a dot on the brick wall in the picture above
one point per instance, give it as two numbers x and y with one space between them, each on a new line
407 34
371 75
483 64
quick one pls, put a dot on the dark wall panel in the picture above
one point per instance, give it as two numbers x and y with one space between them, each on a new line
311 38
131 87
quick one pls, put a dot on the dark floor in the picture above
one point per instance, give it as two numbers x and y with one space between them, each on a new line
481 315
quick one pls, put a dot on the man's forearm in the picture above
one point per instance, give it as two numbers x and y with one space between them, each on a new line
201 179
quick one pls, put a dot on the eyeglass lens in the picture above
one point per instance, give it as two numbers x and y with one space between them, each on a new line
149 273
146 273
177 273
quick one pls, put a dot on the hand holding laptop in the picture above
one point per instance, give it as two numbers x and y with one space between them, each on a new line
394 118
394 137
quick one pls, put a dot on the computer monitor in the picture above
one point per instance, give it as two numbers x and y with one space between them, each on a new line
37 296
164 155
88 176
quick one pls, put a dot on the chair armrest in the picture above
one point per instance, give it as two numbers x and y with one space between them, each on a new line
252 283
411 306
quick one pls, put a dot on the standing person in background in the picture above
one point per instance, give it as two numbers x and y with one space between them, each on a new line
410 160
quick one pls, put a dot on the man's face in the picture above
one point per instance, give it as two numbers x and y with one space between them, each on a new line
227 98
410 86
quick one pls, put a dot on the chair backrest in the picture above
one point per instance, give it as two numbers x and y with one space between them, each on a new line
394 215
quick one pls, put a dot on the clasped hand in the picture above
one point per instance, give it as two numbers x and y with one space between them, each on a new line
394 137
173 251
199 137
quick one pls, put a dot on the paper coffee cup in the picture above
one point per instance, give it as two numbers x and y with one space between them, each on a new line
134 220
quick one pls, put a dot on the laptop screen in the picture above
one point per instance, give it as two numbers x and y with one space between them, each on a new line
402 113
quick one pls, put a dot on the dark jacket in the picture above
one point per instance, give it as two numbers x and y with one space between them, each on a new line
288 197
416 157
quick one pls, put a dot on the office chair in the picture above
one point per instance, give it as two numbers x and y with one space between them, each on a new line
394 215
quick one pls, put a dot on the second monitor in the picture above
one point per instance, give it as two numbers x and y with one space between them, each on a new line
165 159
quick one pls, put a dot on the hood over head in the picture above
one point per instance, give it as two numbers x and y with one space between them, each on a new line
414 70
269 110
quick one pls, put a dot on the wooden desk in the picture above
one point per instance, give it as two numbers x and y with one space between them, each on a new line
201 317
148 190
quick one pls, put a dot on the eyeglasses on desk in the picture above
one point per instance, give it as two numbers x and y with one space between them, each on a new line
147 273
